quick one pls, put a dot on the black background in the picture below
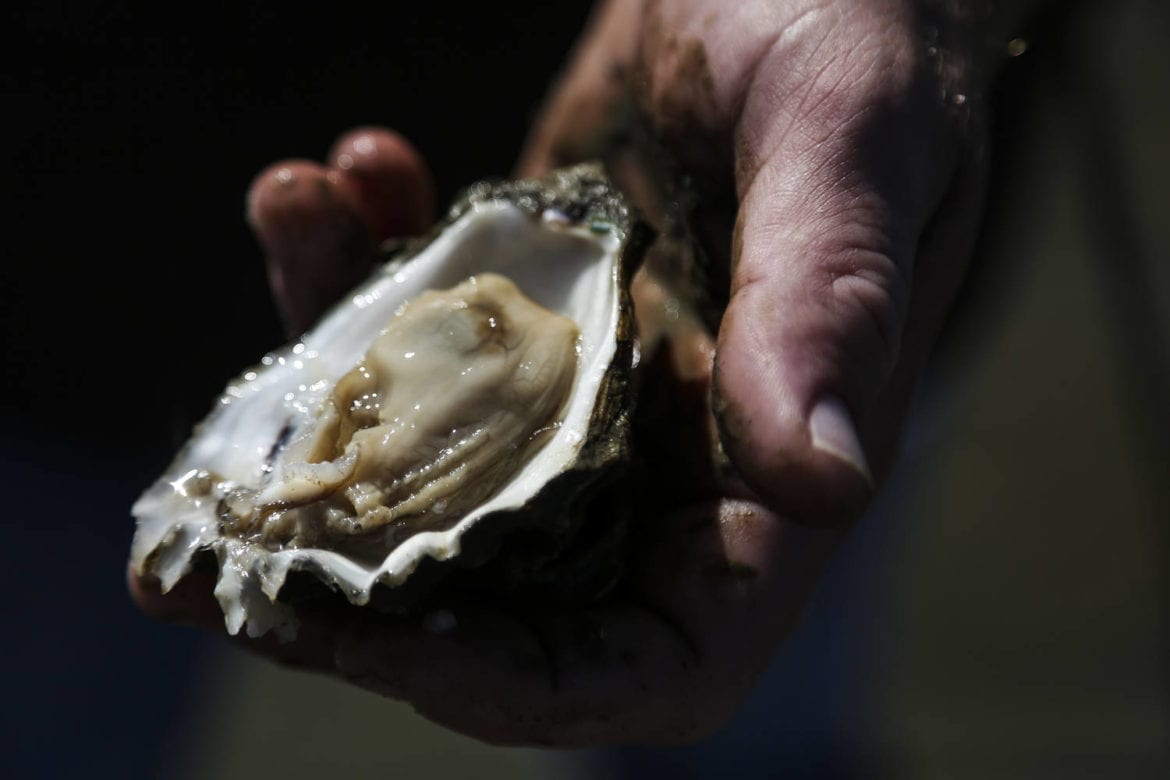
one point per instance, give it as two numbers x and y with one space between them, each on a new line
131 289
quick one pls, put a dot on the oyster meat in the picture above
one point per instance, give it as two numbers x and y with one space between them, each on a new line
478 384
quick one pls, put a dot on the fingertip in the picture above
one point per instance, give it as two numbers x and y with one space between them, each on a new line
146 593
808 467
189 602
302 217
387 178
832 432
282 188
313 235
136 587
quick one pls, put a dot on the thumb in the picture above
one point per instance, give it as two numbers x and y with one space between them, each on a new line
834 305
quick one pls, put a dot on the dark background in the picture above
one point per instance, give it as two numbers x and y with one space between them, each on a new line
136 129
1006 619
131 289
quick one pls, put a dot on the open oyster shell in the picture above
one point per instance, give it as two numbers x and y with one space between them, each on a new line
569 243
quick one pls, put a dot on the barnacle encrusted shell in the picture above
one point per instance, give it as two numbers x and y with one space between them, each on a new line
568 242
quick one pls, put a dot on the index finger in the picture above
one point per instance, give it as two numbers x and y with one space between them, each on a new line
318 225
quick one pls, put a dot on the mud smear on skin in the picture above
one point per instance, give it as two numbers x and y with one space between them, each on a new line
691 161
658 138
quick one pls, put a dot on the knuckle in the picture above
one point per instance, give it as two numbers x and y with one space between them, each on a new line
867 294
865 284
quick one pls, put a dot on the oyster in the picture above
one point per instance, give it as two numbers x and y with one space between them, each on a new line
476 385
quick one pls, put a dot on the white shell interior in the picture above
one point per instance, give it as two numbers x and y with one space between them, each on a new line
567 268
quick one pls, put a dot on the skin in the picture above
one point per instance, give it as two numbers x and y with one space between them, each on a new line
847 138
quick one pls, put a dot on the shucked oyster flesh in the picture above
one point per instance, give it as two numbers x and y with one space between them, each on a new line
477 384
459 389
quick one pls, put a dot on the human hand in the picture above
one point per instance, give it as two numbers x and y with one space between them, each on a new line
858 193
838 150
665 658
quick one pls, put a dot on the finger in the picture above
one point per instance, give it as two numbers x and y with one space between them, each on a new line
316 244
189 602
571 679
830 220
469 668
387 180
192 602
664 663
733 579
